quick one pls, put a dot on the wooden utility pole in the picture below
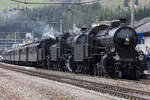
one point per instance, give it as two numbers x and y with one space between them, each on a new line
132 13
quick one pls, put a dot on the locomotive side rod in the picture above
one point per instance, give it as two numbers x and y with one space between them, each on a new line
122 92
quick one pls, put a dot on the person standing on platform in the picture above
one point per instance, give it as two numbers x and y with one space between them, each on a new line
148 61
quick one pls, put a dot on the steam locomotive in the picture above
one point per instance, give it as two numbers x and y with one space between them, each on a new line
108 49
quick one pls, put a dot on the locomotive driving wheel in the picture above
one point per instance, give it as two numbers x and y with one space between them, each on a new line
95 70
48 63
136 75
116 74
99 69
85 69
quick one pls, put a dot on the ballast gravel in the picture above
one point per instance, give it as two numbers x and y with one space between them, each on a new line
18 86
141 84
138 85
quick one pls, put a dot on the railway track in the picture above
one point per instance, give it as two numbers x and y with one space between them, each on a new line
122 92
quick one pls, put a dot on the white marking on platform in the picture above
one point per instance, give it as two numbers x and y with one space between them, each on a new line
29 68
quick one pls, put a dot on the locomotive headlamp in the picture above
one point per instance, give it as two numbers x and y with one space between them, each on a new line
127 40
116 57
141 57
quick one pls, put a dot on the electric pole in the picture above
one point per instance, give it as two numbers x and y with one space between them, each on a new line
61 26
18 5
132 13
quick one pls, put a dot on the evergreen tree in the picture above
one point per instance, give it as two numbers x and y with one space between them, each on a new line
126 3
137 2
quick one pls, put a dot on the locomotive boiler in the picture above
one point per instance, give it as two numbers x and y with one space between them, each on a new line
116 44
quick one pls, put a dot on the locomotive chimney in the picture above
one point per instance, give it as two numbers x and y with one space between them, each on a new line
123 22
83 29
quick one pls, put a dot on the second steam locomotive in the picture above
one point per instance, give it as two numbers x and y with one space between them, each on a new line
106 50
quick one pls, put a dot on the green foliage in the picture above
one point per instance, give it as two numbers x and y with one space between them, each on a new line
83 15
126 3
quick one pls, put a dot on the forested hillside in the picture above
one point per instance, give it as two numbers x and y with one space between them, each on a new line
81 15
6 4
84 14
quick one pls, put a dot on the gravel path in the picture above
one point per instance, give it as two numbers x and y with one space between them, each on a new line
18 86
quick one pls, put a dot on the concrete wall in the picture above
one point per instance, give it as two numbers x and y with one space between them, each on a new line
147 41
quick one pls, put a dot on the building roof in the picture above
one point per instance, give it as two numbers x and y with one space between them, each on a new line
143 26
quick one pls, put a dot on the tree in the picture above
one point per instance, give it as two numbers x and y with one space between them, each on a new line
137 2
126 3
96 5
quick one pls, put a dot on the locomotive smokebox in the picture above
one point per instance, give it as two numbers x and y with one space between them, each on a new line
125 38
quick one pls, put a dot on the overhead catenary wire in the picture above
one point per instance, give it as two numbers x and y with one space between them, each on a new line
73 3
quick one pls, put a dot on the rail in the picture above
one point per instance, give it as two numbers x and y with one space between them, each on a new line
122 92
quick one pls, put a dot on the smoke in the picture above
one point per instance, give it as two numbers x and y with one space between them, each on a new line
49 32
76 29
19 21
